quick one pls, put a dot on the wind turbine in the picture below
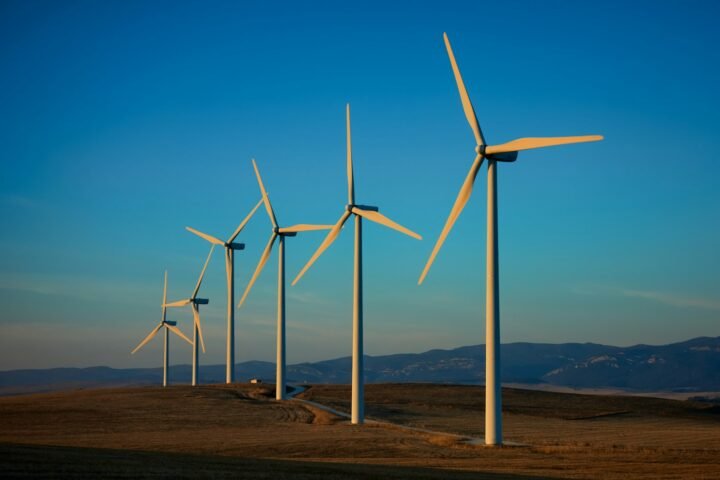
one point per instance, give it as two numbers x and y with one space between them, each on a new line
230 248
195 303
506 152
169 326
360 212
279 234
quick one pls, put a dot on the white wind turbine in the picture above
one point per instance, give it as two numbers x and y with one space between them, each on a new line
195 303
506 152
360 212
230 248
169 326
279 234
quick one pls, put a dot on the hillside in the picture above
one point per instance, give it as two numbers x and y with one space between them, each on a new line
241 432
691 366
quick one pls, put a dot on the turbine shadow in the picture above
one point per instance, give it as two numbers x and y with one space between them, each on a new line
46 461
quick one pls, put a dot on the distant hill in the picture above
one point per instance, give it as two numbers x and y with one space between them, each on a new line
688 366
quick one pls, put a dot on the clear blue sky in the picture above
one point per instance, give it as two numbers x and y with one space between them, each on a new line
122 122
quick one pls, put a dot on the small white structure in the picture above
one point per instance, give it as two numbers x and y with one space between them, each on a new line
255 380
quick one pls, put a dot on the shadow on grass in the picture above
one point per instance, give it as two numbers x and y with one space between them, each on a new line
41 461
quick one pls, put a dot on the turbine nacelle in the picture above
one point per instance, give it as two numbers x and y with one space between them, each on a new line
503 157
282 232
201 301
349 208
235 246
172 323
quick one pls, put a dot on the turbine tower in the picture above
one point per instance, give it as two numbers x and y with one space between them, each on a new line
360 212
169 326
506 152
279 234
195 303
230 248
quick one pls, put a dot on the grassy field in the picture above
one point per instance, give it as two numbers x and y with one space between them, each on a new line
240 432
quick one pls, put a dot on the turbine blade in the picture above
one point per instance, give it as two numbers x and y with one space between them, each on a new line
261 264
148 338
329 239
165 289
179 303
202 274
538 142
209 238
244 222
464 97
351 181
304 227
265 197
179 333
196 320
457 208
164 308
383 220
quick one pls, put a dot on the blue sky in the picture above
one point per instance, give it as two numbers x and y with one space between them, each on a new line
123 122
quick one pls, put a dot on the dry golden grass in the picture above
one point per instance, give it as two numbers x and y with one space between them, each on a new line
540 418
240 431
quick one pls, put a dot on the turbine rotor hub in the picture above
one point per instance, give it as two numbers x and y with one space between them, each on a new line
480 149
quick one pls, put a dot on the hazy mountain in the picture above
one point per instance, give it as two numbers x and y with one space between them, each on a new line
693 365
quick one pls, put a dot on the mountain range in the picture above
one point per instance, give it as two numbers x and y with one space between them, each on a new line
690 366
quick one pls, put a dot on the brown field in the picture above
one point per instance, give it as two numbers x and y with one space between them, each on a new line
240 432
